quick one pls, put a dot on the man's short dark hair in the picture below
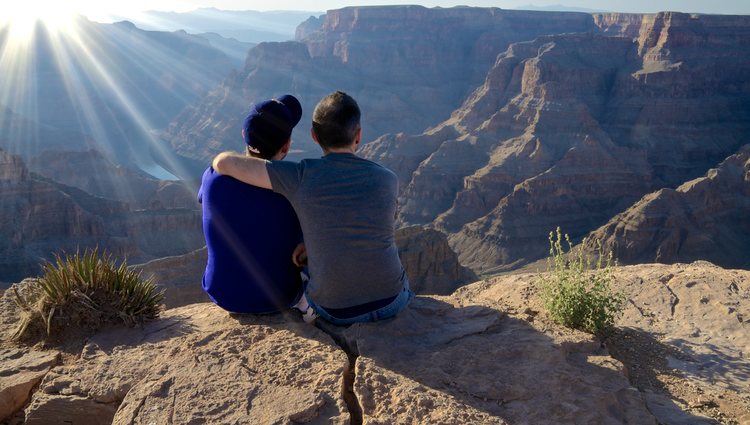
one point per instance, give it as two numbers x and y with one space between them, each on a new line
336 120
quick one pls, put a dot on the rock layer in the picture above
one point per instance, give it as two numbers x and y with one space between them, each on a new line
39 217
180 276
199 364
430 263
20 371
407 66
705 218
569 130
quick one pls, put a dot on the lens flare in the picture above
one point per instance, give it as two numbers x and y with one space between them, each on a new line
22 17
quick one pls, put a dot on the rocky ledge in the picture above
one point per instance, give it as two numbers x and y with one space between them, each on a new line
486 354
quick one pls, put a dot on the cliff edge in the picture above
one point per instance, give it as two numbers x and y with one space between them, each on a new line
486 354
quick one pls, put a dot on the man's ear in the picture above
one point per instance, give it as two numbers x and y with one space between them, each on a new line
285 149
314 137
358 136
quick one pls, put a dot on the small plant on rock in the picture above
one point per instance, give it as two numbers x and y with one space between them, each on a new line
576 291
84 292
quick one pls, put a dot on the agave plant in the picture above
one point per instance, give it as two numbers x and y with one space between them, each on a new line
88 289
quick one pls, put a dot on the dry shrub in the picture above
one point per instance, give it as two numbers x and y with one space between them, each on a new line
84 292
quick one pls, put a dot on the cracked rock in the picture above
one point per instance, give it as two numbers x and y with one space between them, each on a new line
20 371
440 362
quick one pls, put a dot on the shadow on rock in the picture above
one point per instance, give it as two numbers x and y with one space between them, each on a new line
436 362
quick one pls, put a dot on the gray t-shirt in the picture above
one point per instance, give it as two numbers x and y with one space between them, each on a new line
346 206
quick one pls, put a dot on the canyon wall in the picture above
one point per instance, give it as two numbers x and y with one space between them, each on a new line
705 218
408 67
569 130
40 217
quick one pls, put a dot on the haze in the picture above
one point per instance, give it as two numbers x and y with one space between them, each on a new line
107 12
642 6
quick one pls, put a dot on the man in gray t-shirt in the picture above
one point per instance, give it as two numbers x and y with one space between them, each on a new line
346 206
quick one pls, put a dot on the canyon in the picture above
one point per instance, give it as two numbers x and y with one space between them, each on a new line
500 124
40 217
100 86
503 125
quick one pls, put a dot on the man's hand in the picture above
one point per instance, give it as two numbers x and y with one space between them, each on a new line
243 168
299 255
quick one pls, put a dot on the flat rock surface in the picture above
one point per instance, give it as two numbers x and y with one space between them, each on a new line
683 338
439 362
486 354
198 364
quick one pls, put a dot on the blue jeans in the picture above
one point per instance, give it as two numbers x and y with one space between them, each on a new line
402 300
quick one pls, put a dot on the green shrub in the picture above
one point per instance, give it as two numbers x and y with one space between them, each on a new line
84 292
577 292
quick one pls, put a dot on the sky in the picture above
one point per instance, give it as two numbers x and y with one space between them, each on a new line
98 10
643 6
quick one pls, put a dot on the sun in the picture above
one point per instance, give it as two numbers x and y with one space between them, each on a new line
21 17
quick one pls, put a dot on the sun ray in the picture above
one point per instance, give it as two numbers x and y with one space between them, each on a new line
103 102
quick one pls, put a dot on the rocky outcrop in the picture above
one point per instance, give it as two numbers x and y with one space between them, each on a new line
569 130
12 168
705 218
430 263
94 173
199 364
407 66
39 217
621 24
180 276
682 339
487 354
309 26
20 371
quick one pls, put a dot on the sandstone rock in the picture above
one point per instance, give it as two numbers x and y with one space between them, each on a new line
705 218
309 26
12 167
47 409
180 277
199 364
620 24
39 217
20 371
431 265
683 338
440 361
485 354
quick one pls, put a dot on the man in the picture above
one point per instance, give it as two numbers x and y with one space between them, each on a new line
252 232
346 206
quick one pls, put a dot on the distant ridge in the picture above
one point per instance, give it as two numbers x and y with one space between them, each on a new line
248 26
559 8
